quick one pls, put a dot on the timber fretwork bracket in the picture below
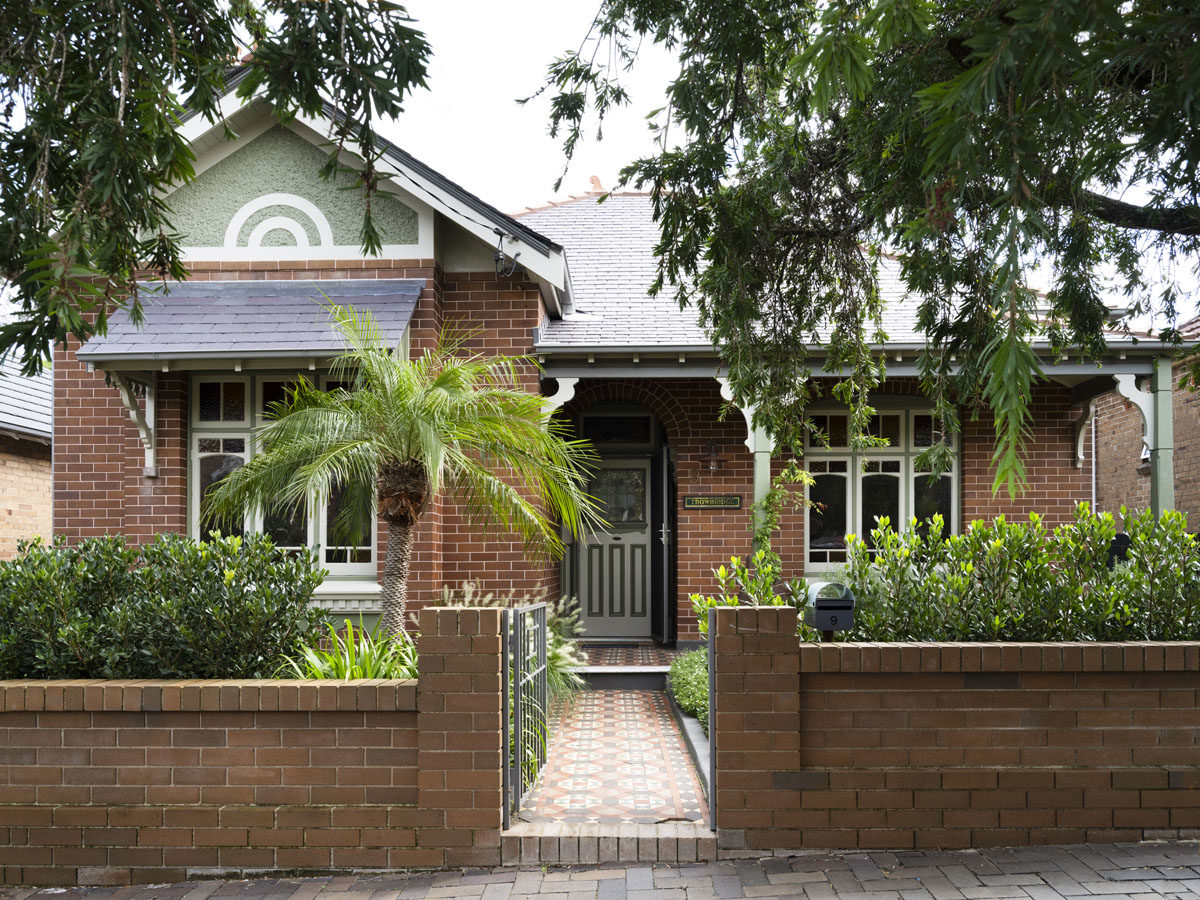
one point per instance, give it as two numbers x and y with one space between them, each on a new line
132 388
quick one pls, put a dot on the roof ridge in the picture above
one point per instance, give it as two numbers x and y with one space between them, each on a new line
575 198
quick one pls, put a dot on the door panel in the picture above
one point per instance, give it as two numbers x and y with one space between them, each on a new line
614 576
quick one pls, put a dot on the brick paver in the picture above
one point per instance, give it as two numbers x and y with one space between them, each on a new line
1147 871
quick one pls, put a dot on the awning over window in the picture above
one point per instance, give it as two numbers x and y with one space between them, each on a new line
243 320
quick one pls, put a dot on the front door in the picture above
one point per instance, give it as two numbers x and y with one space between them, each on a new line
614 563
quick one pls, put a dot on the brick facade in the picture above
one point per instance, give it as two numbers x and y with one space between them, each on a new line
1123 479
25 486
113 782
949 745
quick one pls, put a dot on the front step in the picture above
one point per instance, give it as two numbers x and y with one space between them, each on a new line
625 678
568 843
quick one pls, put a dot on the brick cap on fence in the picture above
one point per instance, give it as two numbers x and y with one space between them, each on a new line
1133 656
208 696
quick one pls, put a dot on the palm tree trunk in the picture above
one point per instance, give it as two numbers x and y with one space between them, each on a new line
395 577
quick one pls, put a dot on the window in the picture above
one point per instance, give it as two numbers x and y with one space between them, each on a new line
222 440
852 489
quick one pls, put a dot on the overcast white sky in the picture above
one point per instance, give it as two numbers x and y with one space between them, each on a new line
468 125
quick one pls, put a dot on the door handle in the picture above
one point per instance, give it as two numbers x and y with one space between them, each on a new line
615 537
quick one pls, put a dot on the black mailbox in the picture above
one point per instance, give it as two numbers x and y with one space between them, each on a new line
830 606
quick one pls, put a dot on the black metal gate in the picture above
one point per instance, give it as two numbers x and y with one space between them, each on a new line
526 702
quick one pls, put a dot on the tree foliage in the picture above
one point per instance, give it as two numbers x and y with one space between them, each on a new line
972 139
91 97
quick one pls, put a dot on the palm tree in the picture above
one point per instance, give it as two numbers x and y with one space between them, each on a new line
404 431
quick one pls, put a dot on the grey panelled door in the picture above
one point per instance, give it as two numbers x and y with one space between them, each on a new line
614 564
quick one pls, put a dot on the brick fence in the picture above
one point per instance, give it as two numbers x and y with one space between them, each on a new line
113 782
949 745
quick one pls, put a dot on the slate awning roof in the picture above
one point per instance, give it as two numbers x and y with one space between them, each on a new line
26 404
250 319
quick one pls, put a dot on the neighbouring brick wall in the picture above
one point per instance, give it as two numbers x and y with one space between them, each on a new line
25 486
113 782
951 745
1122 478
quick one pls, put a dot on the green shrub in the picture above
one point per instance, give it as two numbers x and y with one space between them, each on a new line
1010 581
175 608
688 681
759 584
355 653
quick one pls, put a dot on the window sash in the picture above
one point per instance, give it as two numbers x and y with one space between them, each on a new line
904 453
362 564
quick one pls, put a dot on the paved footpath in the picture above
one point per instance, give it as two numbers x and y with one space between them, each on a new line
1148 871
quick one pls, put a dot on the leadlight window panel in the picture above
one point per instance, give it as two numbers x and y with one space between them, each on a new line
621 495
221 401
832 427
607 430
350 543
933 496
885 425
879 496
828 514
216 458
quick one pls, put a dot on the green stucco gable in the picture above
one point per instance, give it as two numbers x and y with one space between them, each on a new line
280 162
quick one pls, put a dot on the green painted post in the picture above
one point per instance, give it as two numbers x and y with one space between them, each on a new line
1162 438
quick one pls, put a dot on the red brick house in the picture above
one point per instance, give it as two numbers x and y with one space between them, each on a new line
1123 470
565 283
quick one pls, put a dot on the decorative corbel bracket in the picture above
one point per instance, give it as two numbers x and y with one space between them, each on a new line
757 439
564 394
130 389
1143 400
1081 428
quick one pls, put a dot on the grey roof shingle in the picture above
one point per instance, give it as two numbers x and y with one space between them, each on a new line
610 250
236 319
26 404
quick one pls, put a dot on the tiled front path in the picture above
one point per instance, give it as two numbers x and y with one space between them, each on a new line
1151 871
630 654
617 757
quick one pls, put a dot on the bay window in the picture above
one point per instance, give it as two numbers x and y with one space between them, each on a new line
851 490
225 411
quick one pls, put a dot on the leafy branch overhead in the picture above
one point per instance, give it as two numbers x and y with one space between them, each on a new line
92 96
973 140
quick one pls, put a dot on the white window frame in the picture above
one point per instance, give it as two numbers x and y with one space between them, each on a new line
253 522
905 451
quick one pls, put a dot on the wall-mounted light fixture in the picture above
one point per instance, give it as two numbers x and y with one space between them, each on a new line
712 457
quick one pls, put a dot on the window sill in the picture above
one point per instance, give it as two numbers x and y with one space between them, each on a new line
348 596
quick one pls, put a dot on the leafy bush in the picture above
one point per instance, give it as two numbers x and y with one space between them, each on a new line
1009 581
355 653
759 584
175 608
688 681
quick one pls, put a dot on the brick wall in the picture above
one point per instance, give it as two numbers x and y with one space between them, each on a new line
25 484
1056 484
950 745
113 782
1122 478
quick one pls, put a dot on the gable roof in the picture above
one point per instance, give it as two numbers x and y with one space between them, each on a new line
541 256
250 319
26 404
